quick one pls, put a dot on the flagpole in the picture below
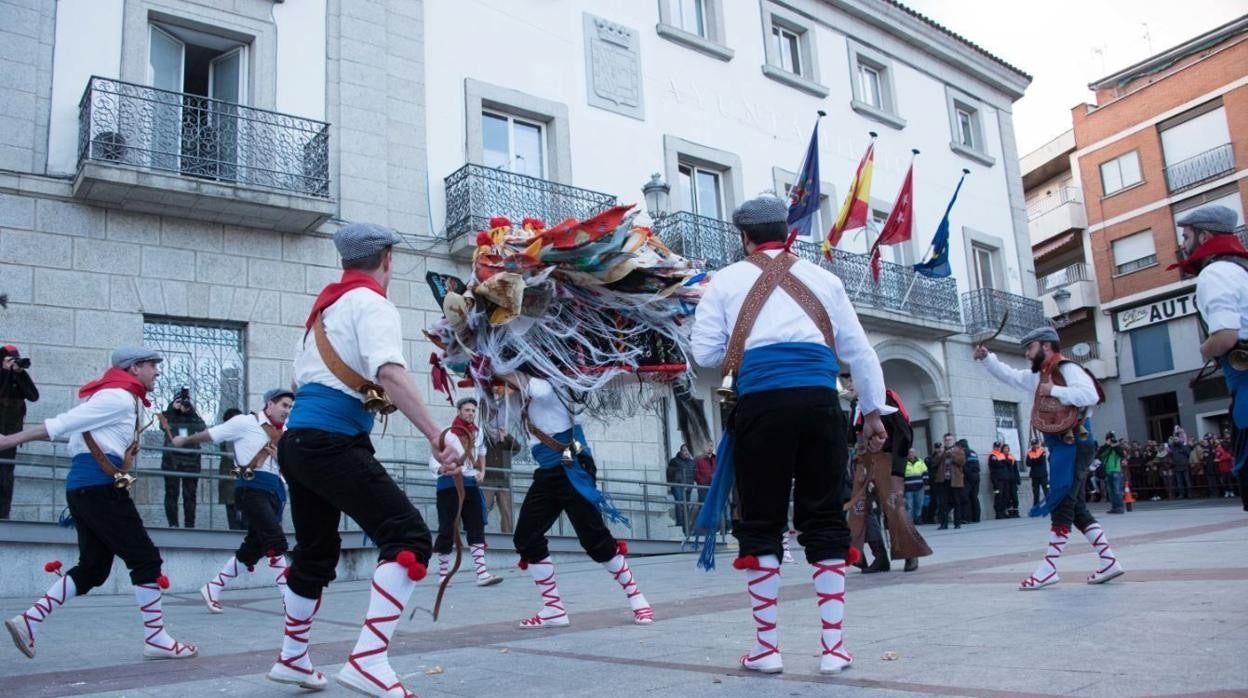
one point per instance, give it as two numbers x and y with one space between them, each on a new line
931 249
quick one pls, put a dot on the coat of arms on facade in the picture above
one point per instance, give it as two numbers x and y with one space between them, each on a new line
614 66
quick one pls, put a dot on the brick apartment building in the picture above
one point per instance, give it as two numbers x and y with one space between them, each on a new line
1166 135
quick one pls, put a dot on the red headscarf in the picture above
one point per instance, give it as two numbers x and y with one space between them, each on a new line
116 378
351 280
1216 246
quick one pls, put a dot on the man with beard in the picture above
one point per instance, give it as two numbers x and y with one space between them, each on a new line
1213 252
1065 396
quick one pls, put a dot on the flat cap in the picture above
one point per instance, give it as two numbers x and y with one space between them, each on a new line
359 240
764 209
277 394
1040 334
1214 219
125 357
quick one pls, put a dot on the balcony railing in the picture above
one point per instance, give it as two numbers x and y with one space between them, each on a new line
1063 277
1200 168
983 309
475 193
899 290
193 136
1063 195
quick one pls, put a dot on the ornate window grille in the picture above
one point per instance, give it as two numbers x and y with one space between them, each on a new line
207 357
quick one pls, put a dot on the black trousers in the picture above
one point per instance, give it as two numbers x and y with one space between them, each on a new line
189 487
1039 484
264 530
791 437
970 501
329 475
550 495
948 498
1073 509
109 526
6 482
473 521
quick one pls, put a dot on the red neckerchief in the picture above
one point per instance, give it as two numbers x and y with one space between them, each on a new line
280 426
464 428
1049 365
116 378
351 280
773 245
1215 246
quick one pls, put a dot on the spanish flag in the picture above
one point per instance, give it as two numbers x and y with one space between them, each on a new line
857 206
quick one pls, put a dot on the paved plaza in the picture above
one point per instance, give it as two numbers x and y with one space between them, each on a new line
1173 625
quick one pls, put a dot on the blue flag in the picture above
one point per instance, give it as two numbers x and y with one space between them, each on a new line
937 265
804 195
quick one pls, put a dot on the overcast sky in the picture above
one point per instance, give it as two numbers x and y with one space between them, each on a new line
1065 44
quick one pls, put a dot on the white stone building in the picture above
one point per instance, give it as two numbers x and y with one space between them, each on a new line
171 172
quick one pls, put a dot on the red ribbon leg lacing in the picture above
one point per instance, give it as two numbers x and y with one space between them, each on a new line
761 602
550 593
836 568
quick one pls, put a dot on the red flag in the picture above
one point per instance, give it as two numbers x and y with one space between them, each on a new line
899 225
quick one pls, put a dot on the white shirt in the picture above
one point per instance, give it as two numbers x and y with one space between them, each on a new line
364 329
1222 297
109 415
469 469
1079 390
546 411
248 437
783 320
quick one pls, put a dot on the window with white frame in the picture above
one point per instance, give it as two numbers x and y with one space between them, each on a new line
983 265
965 126
1121 172
788 48
690 15
870 84
701 191
513 144
695 24
1134 252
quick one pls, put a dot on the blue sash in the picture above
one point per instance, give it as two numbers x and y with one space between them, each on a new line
265 482
1237 384
770 367
446 482
548 457
1061 469
84 471
327 409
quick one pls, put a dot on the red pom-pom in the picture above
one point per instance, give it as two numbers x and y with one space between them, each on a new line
162 581
52 566
748 562
416 571
406 558
523 564
500 222
853 557
251 568
533 223
483 239
270 553
621 547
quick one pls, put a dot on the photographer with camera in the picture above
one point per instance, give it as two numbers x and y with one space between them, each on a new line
183 421
16 389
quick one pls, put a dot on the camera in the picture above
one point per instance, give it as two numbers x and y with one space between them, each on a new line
184 395
21 363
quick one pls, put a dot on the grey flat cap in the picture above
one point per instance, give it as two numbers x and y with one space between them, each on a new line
764 209
1040 334
1213 219
277 394
125 357
360 240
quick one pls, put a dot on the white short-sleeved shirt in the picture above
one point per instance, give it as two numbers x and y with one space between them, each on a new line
110 415
364 328
248 437
1222 297
783 320
546 411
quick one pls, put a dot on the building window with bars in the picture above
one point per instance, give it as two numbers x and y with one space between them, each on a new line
207 358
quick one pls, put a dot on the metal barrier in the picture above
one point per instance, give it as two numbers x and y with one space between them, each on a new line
650 505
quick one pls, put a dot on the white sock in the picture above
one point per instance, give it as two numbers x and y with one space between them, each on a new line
391 590
277 565
300 613
148 596
1096 538
763 586
829 579
216 585
444 564
618 567
543 573
478 561
1047 568
61 591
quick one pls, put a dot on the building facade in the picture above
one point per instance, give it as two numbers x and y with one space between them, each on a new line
172 171
1066 278
1165 136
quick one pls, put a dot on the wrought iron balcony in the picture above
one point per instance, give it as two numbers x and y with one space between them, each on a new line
900 290
150 150
983 309
1200 168
194 136
475 193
